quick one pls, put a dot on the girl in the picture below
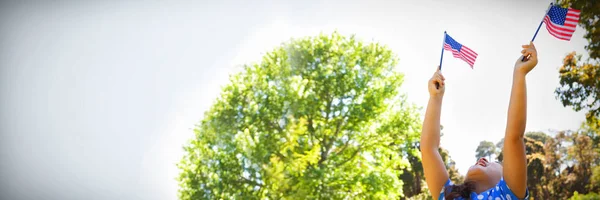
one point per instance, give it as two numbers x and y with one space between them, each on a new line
484 180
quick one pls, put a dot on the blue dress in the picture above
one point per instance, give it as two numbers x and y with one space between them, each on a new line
500 192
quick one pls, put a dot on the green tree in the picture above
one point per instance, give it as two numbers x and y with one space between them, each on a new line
413 177
595 180
318 118
453 173
582 151
580 89
540 150
559 166
580 79
580 85
414 182
538 136
589 196
535 167
486 149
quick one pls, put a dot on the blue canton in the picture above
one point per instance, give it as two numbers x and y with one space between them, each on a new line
558 15
453 43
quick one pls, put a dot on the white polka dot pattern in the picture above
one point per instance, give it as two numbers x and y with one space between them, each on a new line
498 192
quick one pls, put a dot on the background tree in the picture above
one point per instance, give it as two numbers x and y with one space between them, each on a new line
317 118
562 166
589 196
486 149
580 89
538 136
580 85
414 182
580 79
453 173
413 177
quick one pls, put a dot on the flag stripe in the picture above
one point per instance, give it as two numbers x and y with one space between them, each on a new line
560 37
558 30
455 52
468 61
468 54
469 51
559 27
572 24
469 57
574 12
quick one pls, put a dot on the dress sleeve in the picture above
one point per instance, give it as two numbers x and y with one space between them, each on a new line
506 193
448 183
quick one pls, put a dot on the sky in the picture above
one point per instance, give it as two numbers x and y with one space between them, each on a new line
98 97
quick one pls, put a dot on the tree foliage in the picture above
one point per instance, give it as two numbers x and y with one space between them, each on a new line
589 196
414 182
573 157
318 118
580 79
486 149
453 173
559 167
580 85
538 136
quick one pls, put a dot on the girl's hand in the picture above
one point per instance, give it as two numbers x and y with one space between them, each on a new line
531 60
437 85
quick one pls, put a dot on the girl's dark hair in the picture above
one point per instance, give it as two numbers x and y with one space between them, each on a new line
461 190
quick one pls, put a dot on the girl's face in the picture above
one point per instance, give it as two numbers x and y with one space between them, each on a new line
486 174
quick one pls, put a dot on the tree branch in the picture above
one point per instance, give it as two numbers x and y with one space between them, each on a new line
311 129
351 157
329 144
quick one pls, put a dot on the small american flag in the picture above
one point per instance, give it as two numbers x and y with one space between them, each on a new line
561 22
460 51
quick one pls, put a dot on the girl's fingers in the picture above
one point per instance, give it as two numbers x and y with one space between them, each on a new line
439 80
528 46
530 52
439 73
